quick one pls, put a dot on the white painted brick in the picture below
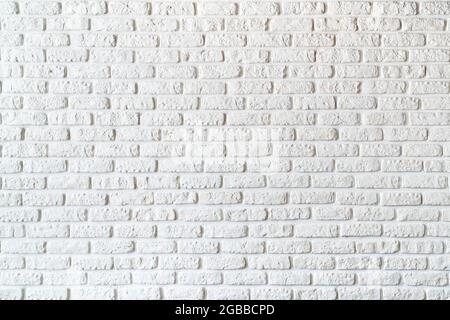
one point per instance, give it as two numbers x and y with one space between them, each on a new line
224 149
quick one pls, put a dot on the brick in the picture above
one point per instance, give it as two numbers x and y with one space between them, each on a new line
224 149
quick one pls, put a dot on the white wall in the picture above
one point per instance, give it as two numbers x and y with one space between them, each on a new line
230 149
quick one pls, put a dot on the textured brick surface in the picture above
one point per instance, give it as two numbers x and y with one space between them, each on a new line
226 149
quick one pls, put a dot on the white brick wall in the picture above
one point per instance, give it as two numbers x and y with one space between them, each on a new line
229 149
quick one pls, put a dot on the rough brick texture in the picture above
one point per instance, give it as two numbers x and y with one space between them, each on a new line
225 149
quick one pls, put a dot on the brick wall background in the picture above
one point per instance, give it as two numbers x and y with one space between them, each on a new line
228 149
